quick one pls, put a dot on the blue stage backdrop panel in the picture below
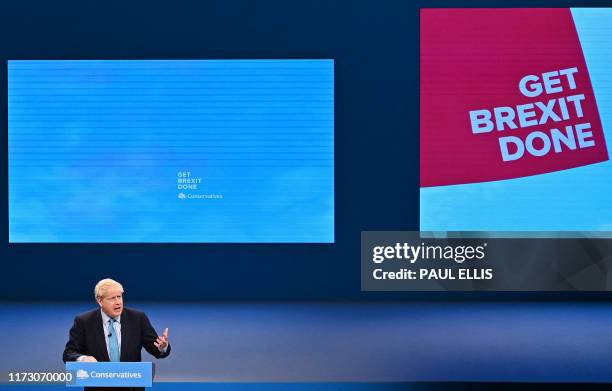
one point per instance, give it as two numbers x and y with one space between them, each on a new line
171 151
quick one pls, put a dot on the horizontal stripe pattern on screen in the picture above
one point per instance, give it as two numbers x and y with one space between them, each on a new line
171 151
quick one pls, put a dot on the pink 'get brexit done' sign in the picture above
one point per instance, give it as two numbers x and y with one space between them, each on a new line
505 93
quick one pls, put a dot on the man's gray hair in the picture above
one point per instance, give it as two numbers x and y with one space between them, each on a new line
103 285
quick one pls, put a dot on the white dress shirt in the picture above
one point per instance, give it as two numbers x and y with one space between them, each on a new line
116 327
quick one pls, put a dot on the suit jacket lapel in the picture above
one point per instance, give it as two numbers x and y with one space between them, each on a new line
125 329
100 337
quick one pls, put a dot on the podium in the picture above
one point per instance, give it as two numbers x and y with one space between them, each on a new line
110 374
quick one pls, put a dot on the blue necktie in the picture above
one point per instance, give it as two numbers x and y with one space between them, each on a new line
113 342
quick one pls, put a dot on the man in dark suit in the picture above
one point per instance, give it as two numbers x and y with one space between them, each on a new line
113 333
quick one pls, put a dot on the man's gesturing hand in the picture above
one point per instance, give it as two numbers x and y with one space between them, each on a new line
162 341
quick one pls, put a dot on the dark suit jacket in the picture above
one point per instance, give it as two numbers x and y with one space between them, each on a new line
87 337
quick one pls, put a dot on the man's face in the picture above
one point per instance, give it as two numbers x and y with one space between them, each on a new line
112 302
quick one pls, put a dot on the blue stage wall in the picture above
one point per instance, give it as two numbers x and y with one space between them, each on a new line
375 46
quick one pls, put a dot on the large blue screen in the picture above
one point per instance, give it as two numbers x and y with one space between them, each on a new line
171 151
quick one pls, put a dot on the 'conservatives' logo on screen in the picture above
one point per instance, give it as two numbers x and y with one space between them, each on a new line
517 103
82 374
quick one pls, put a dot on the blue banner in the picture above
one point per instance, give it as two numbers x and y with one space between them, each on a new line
110 374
